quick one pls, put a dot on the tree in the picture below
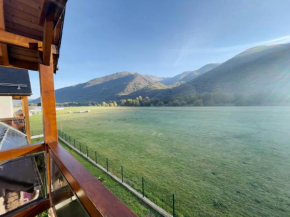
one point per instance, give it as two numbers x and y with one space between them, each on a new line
160 103
198 102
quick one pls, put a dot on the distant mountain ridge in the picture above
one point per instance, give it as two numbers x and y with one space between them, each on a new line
189 75
262 69
106 88
256 70
119 85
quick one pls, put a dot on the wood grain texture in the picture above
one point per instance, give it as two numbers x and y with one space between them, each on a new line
26 117
4 50
95 197
21 7
10 38
48 103
33 210
47 38
22 151
22 64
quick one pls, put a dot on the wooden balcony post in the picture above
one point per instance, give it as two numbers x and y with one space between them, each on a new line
48 103
48 113
26 116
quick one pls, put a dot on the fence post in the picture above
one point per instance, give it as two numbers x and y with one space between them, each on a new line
80 147
173 205
74 142
69 139
96 158
122 171
107 164
143 191
87 152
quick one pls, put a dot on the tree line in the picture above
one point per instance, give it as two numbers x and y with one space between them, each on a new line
204 99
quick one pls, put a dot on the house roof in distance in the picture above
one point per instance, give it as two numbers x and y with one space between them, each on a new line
14 82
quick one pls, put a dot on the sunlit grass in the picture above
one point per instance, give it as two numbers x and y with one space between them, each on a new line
218 161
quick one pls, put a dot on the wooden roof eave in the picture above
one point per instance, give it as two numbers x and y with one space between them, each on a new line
20 51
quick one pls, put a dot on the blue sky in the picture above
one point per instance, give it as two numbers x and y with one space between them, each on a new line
161 37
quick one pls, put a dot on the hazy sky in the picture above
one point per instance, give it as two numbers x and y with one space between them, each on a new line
161 37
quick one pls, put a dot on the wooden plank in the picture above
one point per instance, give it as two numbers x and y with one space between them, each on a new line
22 64
24 57
4 50
12 118
26 117
17 97
5 58
24 34
2 21
21 14
48 103
23 51
94 196
22 151
22 22
44 5
10 38
29 3
47 38
25 42
23 29
33 210
21 7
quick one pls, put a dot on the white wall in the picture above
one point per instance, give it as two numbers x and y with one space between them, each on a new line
6 107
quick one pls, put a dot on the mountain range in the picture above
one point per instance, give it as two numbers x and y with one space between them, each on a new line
256 70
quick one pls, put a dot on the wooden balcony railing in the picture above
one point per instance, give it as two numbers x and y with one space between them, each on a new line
15 122
93 196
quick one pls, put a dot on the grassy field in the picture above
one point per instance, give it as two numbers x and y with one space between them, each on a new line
218 161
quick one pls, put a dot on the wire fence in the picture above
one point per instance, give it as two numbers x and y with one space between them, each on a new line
161 197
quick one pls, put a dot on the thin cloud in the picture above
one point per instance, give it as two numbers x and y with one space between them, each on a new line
231 49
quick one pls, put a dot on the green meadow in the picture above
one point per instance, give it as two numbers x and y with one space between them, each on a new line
218 161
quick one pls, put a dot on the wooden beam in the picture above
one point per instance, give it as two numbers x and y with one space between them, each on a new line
21 41
25 110
22 151
94 196
47 38
11 119
33 210
43 12
48 103
5 58
20 64
10 38
2 21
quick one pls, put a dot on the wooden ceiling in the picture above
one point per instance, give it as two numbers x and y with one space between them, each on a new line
29 31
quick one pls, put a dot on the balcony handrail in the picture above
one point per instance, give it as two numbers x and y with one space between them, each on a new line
21 151
93 195
12 119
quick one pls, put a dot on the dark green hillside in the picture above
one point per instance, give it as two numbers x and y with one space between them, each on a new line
257 76
257 70
103 89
